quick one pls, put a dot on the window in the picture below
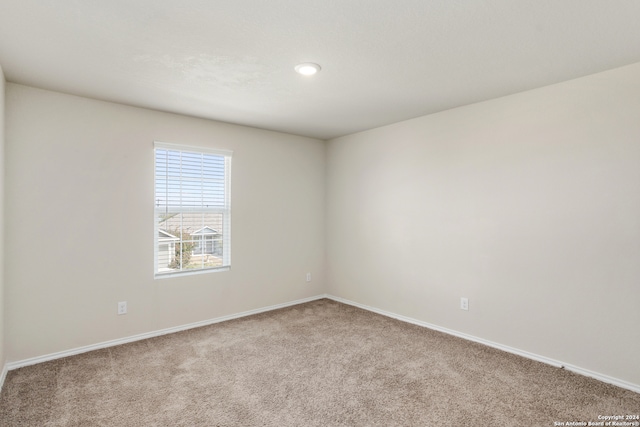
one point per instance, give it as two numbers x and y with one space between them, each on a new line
192 209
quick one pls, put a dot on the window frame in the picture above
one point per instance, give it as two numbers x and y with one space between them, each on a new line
225 211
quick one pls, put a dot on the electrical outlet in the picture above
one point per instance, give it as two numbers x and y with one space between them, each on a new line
464 303
122 307
308 277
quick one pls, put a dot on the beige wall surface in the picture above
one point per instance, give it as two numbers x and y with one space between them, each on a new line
79 217
528 205
2 127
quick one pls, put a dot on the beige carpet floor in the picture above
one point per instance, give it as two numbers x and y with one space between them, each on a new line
316 364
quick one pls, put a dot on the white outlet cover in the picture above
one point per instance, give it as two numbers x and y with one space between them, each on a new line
122 307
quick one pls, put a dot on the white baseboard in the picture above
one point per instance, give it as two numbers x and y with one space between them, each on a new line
53 356
3 375
600 377
72 352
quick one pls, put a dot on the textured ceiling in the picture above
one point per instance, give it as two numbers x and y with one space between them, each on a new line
382 61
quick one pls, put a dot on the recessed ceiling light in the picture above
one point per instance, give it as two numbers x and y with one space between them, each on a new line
307 68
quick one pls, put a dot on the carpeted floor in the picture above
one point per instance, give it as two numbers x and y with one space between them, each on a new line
316 364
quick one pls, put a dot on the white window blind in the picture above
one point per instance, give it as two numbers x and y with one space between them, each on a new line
192 209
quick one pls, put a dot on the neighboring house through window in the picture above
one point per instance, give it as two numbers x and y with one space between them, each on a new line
192 209
208 241
166 247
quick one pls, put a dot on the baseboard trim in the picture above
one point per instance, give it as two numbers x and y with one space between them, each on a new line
578 370
3 375
111 343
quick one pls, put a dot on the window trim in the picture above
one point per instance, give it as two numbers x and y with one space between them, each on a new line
226 227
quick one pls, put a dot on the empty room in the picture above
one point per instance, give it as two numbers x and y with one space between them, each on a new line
302 213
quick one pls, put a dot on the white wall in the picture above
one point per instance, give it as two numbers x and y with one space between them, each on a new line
79 216
2 132
529 205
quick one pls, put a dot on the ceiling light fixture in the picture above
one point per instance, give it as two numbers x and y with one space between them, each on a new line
307 68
